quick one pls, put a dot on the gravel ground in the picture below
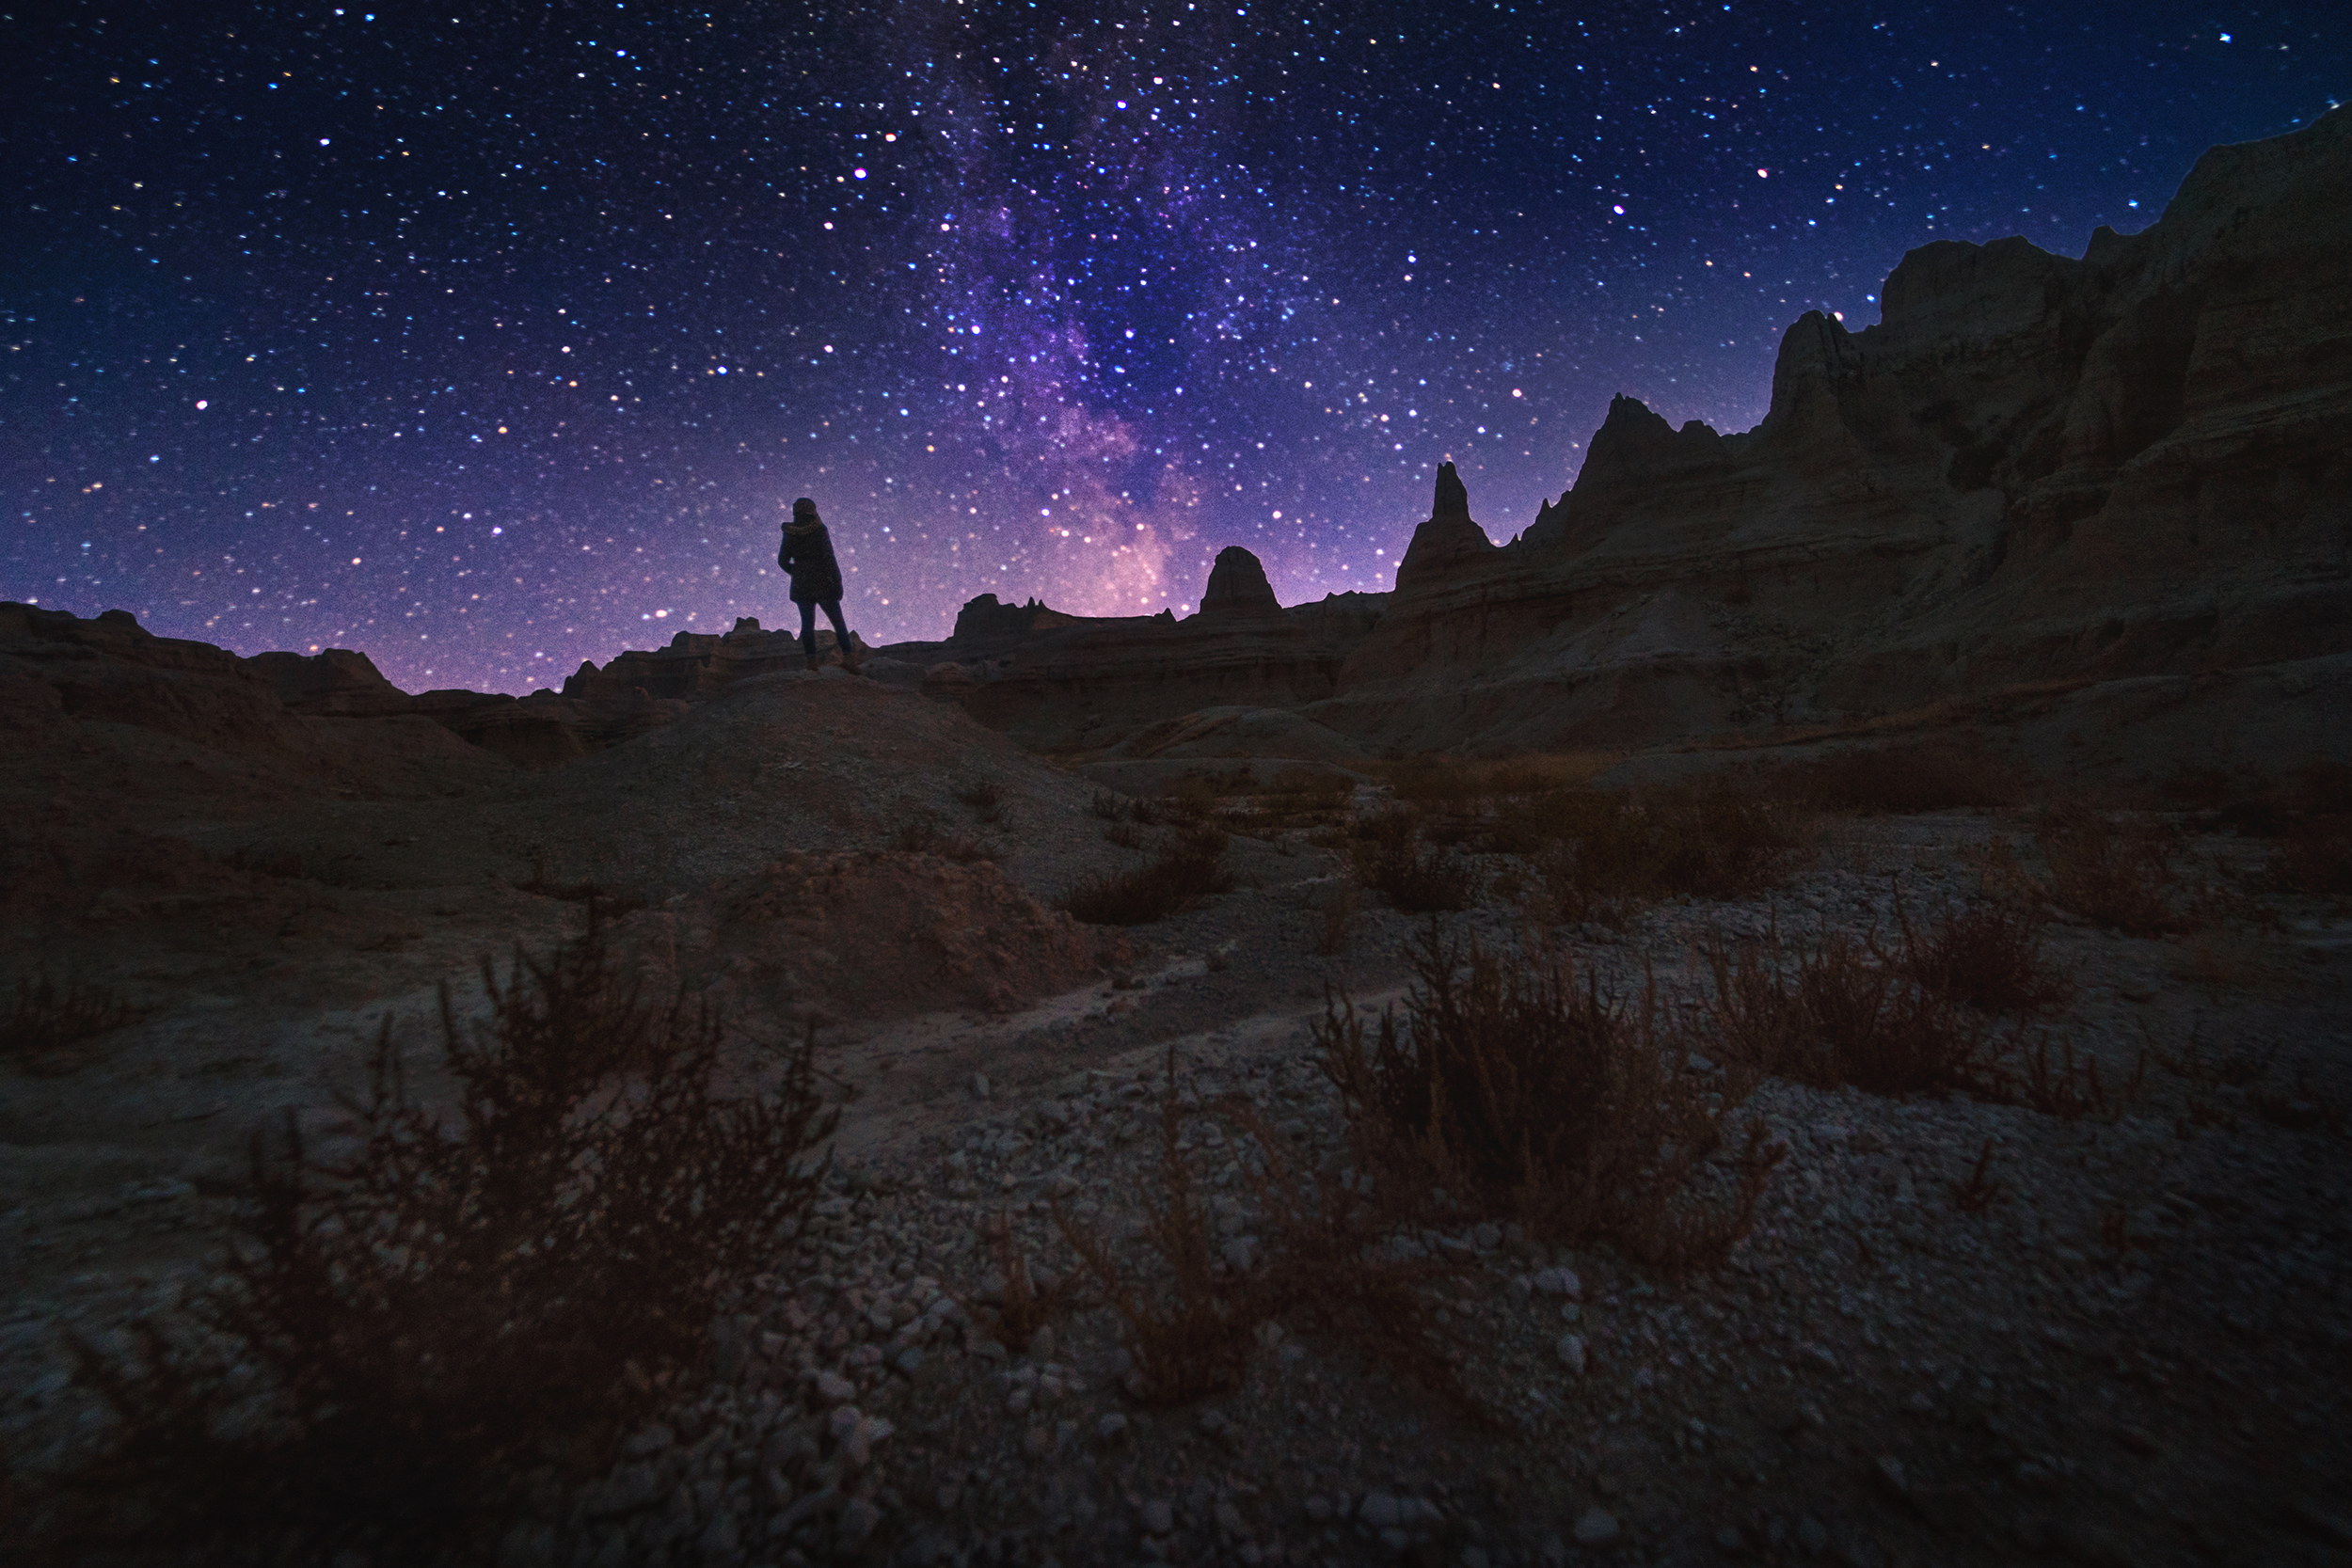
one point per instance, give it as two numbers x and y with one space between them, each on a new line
2133 1354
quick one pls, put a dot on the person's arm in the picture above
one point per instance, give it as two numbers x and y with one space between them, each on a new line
784 553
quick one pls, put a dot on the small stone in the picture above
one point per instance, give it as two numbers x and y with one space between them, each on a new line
1557 1282
1487 1237
1241 1254
718 1541
1036 1442
1730 1542
1887 1472
652 1440
832 1389
1042 1344
1571 1353
1111 1428
1319 1509
979 1086
1378 1512
857 1521
1229 1520
1812 1535
1596 1528
1158 1518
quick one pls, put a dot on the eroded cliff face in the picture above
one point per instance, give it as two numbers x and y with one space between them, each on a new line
2034 470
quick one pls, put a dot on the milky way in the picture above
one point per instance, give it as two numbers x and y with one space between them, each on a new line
492 342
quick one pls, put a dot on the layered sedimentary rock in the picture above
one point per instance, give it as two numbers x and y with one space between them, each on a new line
2033 471
1088 686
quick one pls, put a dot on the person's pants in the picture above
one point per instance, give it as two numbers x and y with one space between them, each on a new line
808 628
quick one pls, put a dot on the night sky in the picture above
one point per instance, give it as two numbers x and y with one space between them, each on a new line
500 337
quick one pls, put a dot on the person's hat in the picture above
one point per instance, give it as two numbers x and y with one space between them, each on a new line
804 508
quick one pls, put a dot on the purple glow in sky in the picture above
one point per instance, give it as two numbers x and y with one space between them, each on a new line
491 345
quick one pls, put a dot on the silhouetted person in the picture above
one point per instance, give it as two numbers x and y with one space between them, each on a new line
807 554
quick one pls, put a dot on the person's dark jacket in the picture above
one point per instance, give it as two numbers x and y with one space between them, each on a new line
807 555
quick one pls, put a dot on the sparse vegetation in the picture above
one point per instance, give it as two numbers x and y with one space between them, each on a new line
1602 853
405 1343
48 1019
1937 776
1523 1093
1833 1011
2111 876
1988 956
1295 798
1339 916
1190 1313
603 901
1021 1298
985 796
1981 1191
2314 853
1190 866
921 832
1417 877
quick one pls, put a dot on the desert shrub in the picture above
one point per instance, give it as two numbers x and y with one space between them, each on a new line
1601 852
1833 1011
48 1019
1312 791
2315 861
1937 776
1293 798
1189 1316
921 832
2314 853
2111 876
1337 917
1021 1297
407 1343
1133 811
1189 867
985 796
1525 1093
1433 782
1417 877
1984 955
1125 835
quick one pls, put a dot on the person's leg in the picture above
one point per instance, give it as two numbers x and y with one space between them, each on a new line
808 634
849 649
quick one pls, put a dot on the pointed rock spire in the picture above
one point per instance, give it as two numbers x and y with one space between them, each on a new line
1237 586
1448 535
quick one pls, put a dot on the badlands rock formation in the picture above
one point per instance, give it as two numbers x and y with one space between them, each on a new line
2121 482
2101 506
2099 510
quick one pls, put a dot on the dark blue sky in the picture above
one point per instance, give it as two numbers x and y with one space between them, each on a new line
489 344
